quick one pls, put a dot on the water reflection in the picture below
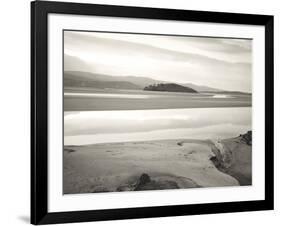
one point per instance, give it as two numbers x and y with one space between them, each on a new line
89 127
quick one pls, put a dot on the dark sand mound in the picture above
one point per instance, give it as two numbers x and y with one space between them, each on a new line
145 182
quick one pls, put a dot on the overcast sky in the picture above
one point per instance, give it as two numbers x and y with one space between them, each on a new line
214 62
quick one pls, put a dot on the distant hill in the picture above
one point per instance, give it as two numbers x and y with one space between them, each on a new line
89 80
199 88
169 87
102 81
141 82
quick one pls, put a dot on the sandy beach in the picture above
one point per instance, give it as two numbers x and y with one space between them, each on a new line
155 165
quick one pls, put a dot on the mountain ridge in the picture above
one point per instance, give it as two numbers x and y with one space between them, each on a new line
95 80
86 80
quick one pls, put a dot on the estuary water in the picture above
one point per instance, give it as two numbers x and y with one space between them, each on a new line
92 127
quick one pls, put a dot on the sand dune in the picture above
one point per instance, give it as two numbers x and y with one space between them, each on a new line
234 157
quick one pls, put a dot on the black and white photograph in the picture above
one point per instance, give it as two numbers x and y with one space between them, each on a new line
155 111
149 112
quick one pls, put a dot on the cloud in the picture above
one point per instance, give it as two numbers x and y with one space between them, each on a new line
217 62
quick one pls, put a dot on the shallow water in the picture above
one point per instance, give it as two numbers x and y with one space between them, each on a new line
106 100
91 127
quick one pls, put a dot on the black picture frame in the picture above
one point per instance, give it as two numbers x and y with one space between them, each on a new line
39 112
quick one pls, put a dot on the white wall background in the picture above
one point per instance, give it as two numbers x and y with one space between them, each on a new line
15 113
